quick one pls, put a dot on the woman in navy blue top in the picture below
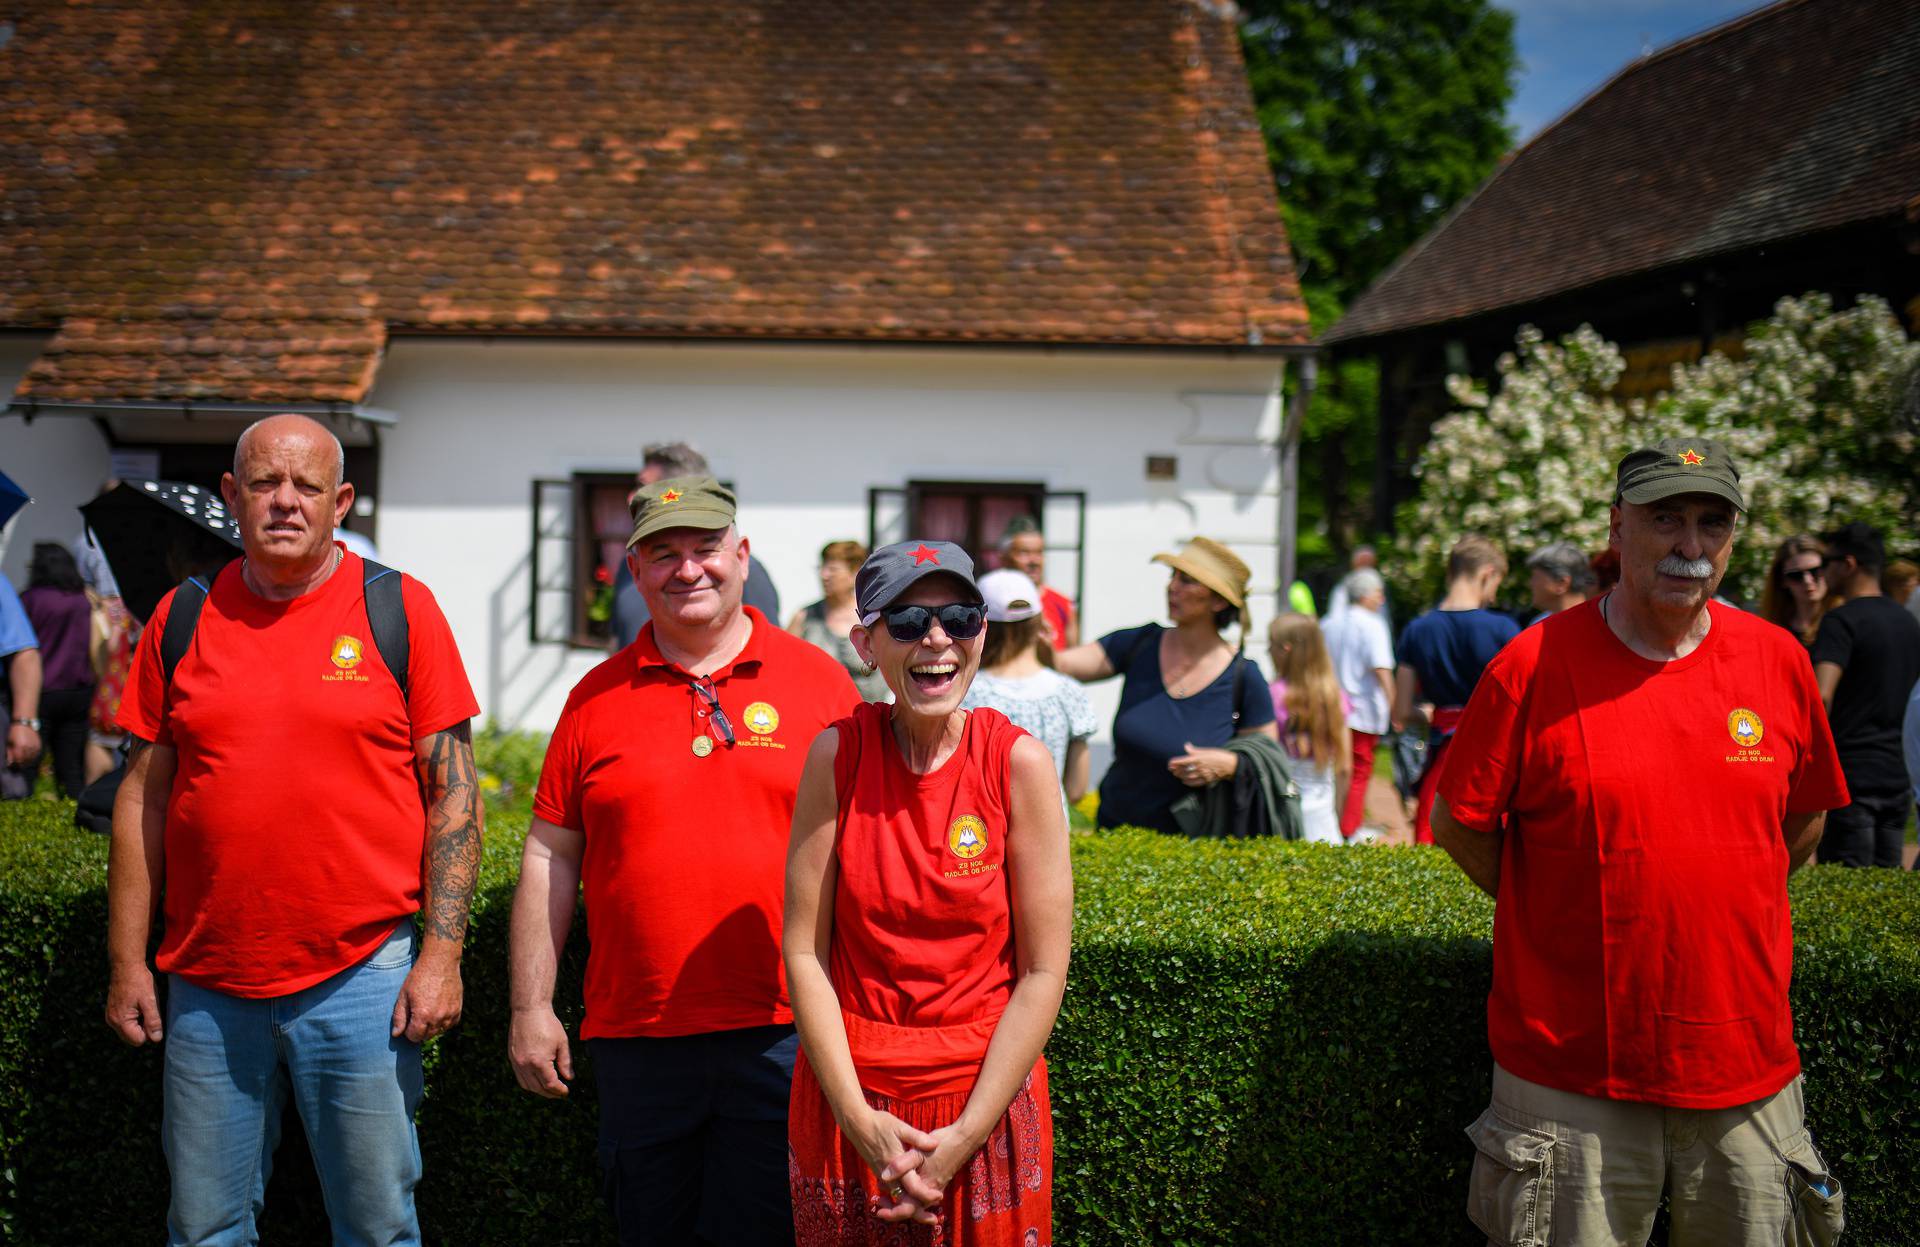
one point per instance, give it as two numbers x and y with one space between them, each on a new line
1186 692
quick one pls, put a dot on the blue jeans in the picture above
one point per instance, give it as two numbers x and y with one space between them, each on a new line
230 1063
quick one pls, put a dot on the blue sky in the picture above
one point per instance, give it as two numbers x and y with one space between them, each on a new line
1569 47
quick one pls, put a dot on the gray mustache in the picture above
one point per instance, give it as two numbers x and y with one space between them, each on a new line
1692 569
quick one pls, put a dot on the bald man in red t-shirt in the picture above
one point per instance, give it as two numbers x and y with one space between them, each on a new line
296 806
1632 781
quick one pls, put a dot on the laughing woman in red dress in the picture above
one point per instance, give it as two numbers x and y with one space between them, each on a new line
929 907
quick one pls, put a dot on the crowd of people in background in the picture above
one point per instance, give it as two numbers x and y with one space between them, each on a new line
67 640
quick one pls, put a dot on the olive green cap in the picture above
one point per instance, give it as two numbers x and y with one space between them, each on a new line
679 502
1679 465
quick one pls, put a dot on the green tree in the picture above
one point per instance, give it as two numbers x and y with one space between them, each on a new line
1378 119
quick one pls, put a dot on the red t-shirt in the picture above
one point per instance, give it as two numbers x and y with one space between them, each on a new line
1058 609
922 918
294 830
685 859
1642 944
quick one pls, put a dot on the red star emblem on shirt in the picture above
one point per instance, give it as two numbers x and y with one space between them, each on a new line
926 554
1690 459
672 495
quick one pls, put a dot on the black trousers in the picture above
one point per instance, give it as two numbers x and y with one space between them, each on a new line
693 1136
1867 833
63 718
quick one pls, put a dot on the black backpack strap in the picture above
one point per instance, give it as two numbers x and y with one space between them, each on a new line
387 616
181 621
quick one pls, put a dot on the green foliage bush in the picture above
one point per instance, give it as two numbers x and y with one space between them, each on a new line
1261 1043
509 765
1811 411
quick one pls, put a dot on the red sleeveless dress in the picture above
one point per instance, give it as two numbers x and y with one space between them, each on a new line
922 960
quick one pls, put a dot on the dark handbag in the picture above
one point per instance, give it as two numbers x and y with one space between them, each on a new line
1410 753
93 808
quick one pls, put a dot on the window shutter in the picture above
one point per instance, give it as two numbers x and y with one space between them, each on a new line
550 607
886 516
1065 524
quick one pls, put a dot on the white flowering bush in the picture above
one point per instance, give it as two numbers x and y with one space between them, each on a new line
1811 413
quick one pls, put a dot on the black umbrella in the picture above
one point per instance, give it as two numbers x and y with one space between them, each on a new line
157 533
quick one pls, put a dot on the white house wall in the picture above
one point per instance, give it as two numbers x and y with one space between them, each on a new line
803 432
59 460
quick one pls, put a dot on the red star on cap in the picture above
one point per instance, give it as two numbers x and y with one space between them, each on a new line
672 495
926 554
1690 459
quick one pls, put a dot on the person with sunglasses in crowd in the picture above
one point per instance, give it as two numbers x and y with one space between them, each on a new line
1185 693
1795 595
667 792
929 909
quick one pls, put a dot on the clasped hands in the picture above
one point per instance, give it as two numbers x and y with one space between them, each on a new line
914 1166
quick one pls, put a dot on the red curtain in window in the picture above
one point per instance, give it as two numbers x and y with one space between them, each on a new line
607 511
942 517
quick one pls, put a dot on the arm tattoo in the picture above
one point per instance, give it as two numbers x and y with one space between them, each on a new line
450 788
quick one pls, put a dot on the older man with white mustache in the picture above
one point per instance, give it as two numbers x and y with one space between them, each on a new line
1632 782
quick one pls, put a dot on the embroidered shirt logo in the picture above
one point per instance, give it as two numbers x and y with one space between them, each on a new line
967 838
761 718
1747 730
346 653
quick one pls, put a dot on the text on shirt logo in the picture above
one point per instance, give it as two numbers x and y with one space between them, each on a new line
1747 730
967 840
345 654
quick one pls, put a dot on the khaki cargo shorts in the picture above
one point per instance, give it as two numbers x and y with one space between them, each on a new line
1552 1167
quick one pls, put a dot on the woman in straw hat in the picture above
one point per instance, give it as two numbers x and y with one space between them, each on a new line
1186 691
929 908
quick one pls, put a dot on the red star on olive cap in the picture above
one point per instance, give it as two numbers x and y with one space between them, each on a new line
1691 459
671 495
926 554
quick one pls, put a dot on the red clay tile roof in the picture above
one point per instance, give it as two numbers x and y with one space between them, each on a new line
207 360
1071 171
1798 118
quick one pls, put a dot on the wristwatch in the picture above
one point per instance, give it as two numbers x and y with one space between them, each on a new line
32 724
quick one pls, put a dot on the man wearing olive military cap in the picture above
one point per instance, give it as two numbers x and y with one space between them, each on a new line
667 793
1632 781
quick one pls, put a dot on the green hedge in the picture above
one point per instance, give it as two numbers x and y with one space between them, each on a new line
1261 1043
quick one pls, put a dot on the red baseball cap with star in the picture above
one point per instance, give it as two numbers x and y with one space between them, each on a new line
891 570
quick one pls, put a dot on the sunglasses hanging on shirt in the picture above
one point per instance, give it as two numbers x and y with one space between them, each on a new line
703 743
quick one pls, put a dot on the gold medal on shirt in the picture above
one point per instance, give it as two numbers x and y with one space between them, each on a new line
702 745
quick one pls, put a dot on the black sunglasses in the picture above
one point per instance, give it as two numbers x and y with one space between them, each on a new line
959 620
1808 574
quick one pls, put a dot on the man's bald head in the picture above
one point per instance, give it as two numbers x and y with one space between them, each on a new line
294 428
287 491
